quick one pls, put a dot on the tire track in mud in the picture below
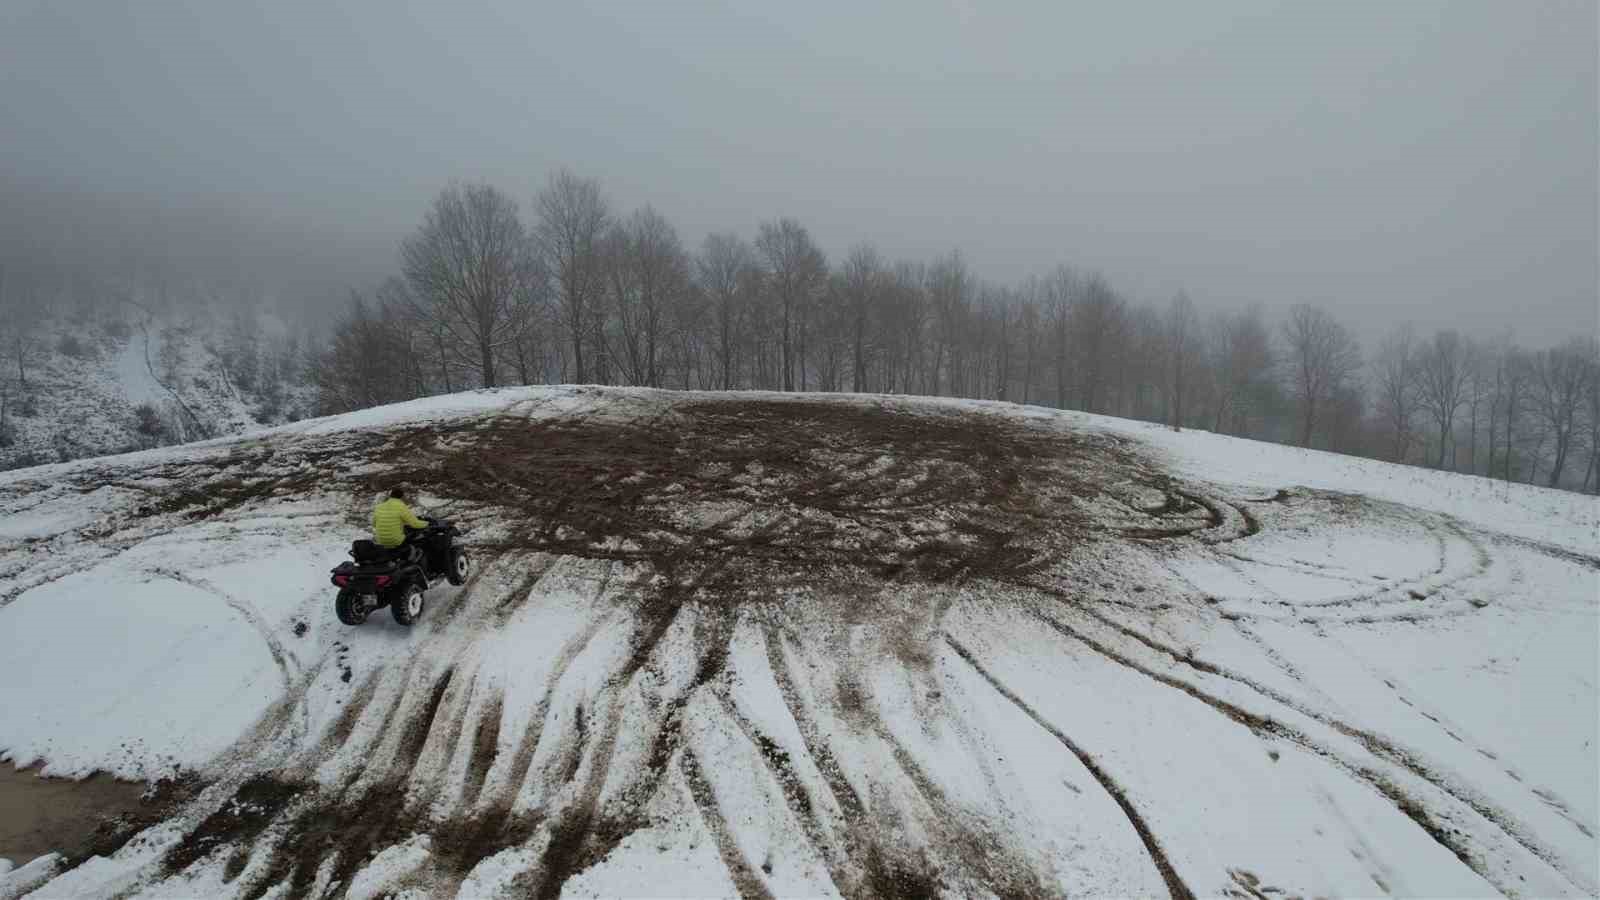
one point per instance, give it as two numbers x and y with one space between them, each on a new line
1380 748
485 747
522 756
973 847
575 841
1158 856
745 880
423 791
780 766
844 794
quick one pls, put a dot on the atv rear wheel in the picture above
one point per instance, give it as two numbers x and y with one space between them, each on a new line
460 565
350 608
407 604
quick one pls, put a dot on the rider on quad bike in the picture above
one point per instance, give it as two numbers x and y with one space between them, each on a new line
391 519
408 553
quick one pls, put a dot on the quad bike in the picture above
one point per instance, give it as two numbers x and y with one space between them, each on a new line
398 578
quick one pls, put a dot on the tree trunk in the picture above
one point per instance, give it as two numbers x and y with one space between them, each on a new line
788 366
444 364
486 360
1472 442
577 353
1560 462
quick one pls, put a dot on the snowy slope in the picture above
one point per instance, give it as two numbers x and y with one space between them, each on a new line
85 381
801 645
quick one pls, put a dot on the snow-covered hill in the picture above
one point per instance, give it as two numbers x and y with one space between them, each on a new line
783 645
95 388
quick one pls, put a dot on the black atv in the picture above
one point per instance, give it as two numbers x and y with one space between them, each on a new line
398 578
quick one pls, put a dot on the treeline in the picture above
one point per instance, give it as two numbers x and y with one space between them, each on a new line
576 291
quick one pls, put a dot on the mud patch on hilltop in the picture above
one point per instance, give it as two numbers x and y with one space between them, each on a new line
719 499
76 818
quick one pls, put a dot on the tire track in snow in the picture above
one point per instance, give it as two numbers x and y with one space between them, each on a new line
522 757
422 792
1158 856
280 657
1379 747
574 846
844 794
977 849
1545 548
781 768
1455 732
744 877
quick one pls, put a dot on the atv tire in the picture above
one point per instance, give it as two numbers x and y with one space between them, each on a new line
460 565
349 608
408 604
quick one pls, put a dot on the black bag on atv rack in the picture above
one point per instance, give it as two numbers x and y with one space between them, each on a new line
366 551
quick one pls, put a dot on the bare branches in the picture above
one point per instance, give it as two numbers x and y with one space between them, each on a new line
573 221
796 272
472 270
1442 372
1322 358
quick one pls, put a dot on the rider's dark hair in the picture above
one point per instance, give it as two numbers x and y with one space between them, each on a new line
398 493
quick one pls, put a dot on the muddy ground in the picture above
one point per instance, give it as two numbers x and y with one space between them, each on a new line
57 815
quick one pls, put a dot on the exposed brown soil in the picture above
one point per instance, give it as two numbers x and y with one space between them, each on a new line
44 815
733 500
94 816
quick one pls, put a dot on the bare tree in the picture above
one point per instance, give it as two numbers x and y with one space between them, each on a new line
724 267
1592 406
1560 381
1183 338
1241 361
864 281
1514 379
364 364
649 273
573 220
1322 357
906 323
1397 388
1060 288
949 296
1097 329
21 312
1032 323
471 264
796 272
1442 374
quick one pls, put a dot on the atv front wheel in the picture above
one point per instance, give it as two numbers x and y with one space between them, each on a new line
350 608
459 566
407 604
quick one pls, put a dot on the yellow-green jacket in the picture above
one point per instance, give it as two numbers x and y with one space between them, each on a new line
390 520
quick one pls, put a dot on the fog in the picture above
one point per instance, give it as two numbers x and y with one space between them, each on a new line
1430 162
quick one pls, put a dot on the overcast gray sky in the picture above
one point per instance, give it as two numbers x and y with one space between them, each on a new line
1432 161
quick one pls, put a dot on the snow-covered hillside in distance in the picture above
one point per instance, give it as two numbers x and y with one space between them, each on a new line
818 645
199 374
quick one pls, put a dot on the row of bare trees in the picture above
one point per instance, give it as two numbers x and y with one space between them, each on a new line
582 292
1491 408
